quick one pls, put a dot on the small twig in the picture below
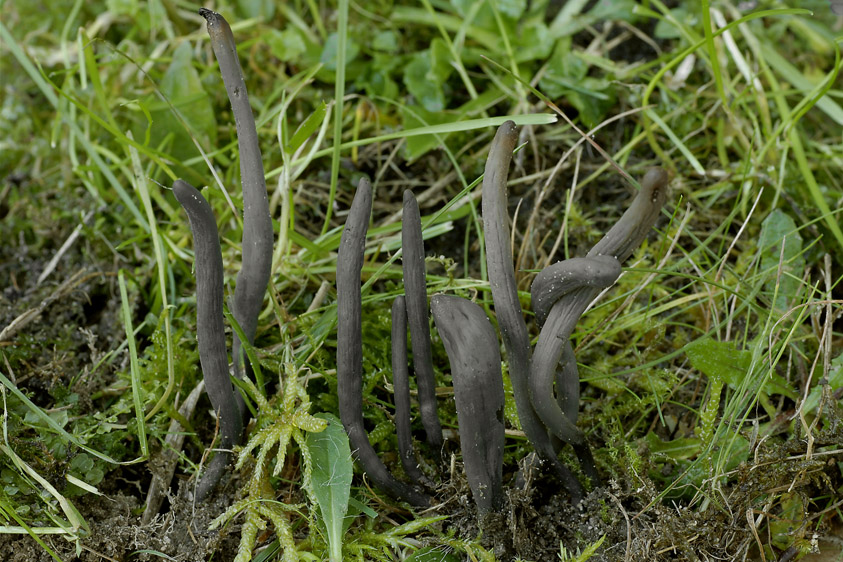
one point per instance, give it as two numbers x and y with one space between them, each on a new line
627 555
64 247
173 443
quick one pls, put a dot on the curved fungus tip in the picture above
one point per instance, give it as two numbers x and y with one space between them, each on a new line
654 185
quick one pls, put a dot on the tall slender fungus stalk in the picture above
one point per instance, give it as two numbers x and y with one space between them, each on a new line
257 224
210 329
507 307
412 248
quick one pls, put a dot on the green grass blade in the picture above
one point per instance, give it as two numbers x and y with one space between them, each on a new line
339 94
677 142
137 383
142 187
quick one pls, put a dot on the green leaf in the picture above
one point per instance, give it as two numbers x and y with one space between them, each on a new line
385 41
263 9
331 478
533 43
433 554
567 77
414 117
181 85
287 45
777 229
722 360
678 449
419 78
328 58
310 125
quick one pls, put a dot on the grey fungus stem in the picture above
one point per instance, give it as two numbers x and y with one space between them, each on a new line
401 391
257 224
350 348
561 294
632 228
412 247
210 329
507 306
562 277
474 353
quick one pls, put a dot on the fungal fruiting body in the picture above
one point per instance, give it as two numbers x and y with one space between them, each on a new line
350 348
563 291
499 265
474 353
257 239
412 248
210 329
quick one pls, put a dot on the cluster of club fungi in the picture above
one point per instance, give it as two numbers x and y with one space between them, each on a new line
545 380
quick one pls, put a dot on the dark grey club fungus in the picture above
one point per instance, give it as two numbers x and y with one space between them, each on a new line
350 348
210 330
583 280
257 224
412 248
401 391
507 306
472 347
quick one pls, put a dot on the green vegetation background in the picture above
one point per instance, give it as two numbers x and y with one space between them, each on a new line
707 355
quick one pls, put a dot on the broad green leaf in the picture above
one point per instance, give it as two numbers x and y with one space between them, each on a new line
567 77
678 449
533 43
780 229
181 85
722 360
288 45
331 479
328 58
385 41
417 78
